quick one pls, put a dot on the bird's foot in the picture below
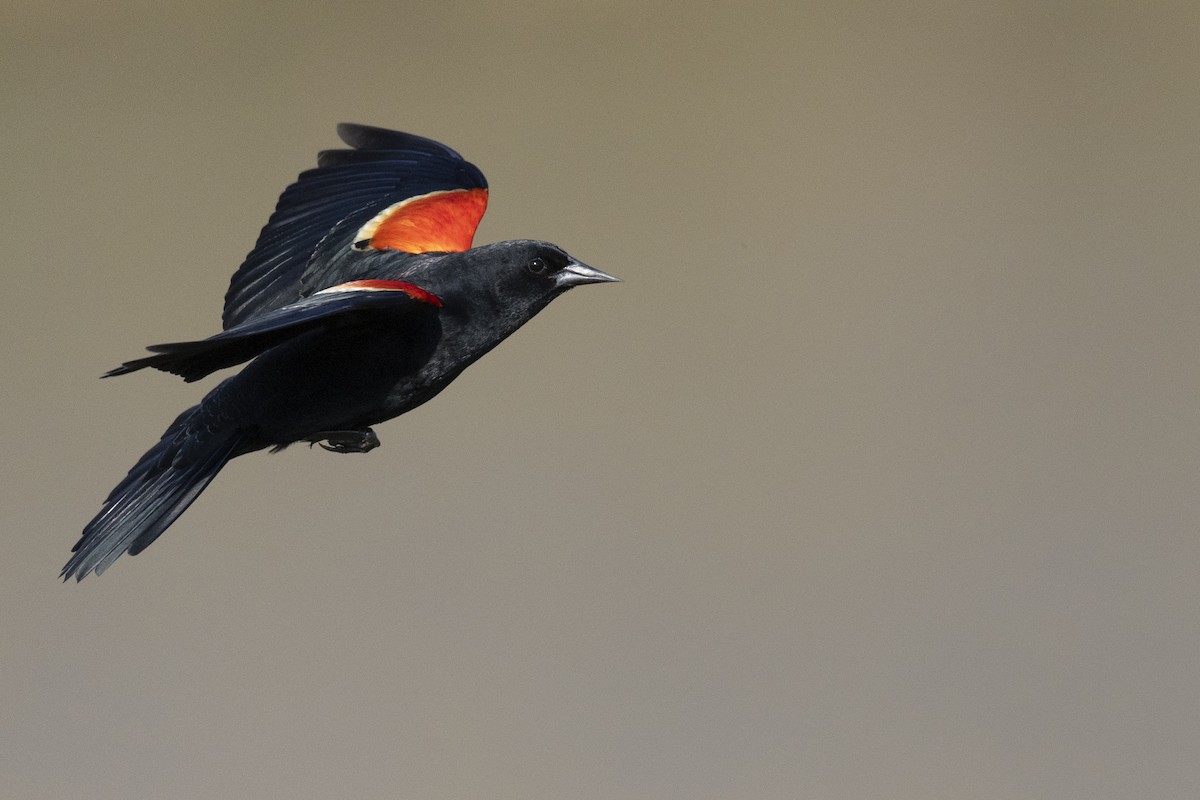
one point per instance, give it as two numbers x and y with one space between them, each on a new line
356 441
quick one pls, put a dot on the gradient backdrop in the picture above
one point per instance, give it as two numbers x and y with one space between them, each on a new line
877 478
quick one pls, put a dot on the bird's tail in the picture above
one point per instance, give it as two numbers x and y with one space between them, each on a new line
156 491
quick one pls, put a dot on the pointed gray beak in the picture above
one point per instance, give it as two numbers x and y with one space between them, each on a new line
577 274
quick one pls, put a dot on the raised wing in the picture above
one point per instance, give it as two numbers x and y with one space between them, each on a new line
392 190
328 307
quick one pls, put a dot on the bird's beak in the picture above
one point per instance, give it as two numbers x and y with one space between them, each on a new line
577 273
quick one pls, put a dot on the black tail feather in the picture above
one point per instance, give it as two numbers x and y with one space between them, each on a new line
156 491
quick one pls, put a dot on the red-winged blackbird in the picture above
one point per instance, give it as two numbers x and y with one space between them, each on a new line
362 299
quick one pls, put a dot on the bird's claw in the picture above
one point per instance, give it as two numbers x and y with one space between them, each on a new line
354 441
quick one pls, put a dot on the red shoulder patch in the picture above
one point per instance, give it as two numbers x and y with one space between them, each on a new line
413 291
442 221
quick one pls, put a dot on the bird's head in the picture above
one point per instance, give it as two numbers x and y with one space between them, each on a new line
515 278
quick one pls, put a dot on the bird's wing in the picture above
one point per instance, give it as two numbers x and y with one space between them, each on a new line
337 305
391 190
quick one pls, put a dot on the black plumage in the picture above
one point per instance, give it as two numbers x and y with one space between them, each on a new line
342 331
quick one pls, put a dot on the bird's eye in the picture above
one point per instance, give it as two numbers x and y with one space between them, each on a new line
538 266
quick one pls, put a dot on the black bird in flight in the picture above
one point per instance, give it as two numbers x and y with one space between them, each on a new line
362 299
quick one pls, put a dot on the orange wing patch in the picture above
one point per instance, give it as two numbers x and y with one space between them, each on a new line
413 291
442 221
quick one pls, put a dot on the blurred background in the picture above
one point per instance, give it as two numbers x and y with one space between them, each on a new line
876 478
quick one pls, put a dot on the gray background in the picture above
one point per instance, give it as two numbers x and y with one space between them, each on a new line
877 477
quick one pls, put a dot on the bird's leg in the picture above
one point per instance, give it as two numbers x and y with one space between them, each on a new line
363 440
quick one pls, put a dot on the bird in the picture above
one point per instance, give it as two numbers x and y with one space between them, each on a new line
362 299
